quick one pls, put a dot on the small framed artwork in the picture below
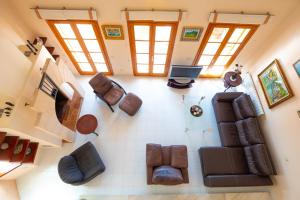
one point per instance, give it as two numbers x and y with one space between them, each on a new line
113 32
191 33
297 67
274 84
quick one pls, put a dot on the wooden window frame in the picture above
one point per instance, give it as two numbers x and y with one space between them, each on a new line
232 27
99 38
152 25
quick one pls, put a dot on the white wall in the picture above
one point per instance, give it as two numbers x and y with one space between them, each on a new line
14 65
281 124
184 52
8 190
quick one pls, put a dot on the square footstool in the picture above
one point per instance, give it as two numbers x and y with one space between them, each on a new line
130 104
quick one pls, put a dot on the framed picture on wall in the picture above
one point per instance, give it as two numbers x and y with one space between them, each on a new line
274 84
113 32
297 67
191 33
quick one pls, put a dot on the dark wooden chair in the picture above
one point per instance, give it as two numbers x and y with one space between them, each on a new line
107 90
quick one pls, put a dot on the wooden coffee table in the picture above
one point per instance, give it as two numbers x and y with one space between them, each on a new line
87 124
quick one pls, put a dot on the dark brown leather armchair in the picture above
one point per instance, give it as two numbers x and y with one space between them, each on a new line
167 165
107 90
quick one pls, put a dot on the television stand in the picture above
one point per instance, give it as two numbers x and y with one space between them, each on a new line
180 84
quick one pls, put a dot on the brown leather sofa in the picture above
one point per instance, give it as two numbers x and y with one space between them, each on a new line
244 159
166 165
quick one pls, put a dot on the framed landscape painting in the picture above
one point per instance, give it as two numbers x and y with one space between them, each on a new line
297 67
113 32
275 86
191 33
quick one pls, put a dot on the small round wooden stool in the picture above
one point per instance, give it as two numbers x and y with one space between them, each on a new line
87 124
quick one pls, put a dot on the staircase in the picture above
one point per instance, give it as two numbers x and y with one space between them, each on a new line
15 151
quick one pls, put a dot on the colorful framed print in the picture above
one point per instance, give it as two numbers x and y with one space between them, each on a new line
274 84
297 67
113 32
191 33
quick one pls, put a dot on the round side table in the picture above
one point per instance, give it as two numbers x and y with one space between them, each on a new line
232 79
87 124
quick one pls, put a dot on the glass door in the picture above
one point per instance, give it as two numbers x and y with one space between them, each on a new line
151 46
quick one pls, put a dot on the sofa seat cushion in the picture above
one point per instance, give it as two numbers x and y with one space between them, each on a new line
229 134
113 95
224 112
154 155
222 161
166 175
243 107
68 170
179 158
249 132
259 161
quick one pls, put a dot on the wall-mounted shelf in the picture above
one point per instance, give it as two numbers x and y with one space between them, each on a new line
30 157
12 141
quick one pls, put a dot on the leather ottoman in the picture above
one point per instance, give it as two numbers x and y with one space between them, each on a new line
130 104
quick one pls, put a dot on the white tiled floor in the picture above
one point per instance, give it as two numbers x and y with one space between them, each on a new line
122 141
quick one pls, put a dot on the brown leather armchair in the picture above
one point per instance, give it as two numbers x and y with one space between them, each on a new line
107 90
166 165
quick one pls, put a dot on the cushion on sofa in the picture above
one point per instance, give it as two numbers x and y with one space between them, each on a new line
154 154
224 112
223 161
243 107
179 158
68 170
249 132
259 162
229 134
167 175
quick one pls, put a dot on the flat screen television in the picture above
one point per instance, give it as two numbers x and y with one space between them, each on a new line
184 72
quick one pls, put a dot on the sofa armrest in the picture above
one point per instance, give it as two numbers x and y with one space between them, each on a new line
153 155
149 175
236 180
185 175
226 96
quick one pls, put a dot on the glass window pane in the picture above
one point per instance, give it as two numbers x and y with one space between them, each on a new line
211 48
216 70
79 56
73 45
86 31
65 30
142 58
161 47
158 69
205 60
204 70
92 45
222 60
141 32
97 57
142 68
230 49
160 59
86 67
218 34
101 67
162 33
142 47
239 35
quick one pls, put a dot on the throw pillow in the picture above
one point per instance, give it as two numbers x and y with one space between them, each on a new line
167 175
